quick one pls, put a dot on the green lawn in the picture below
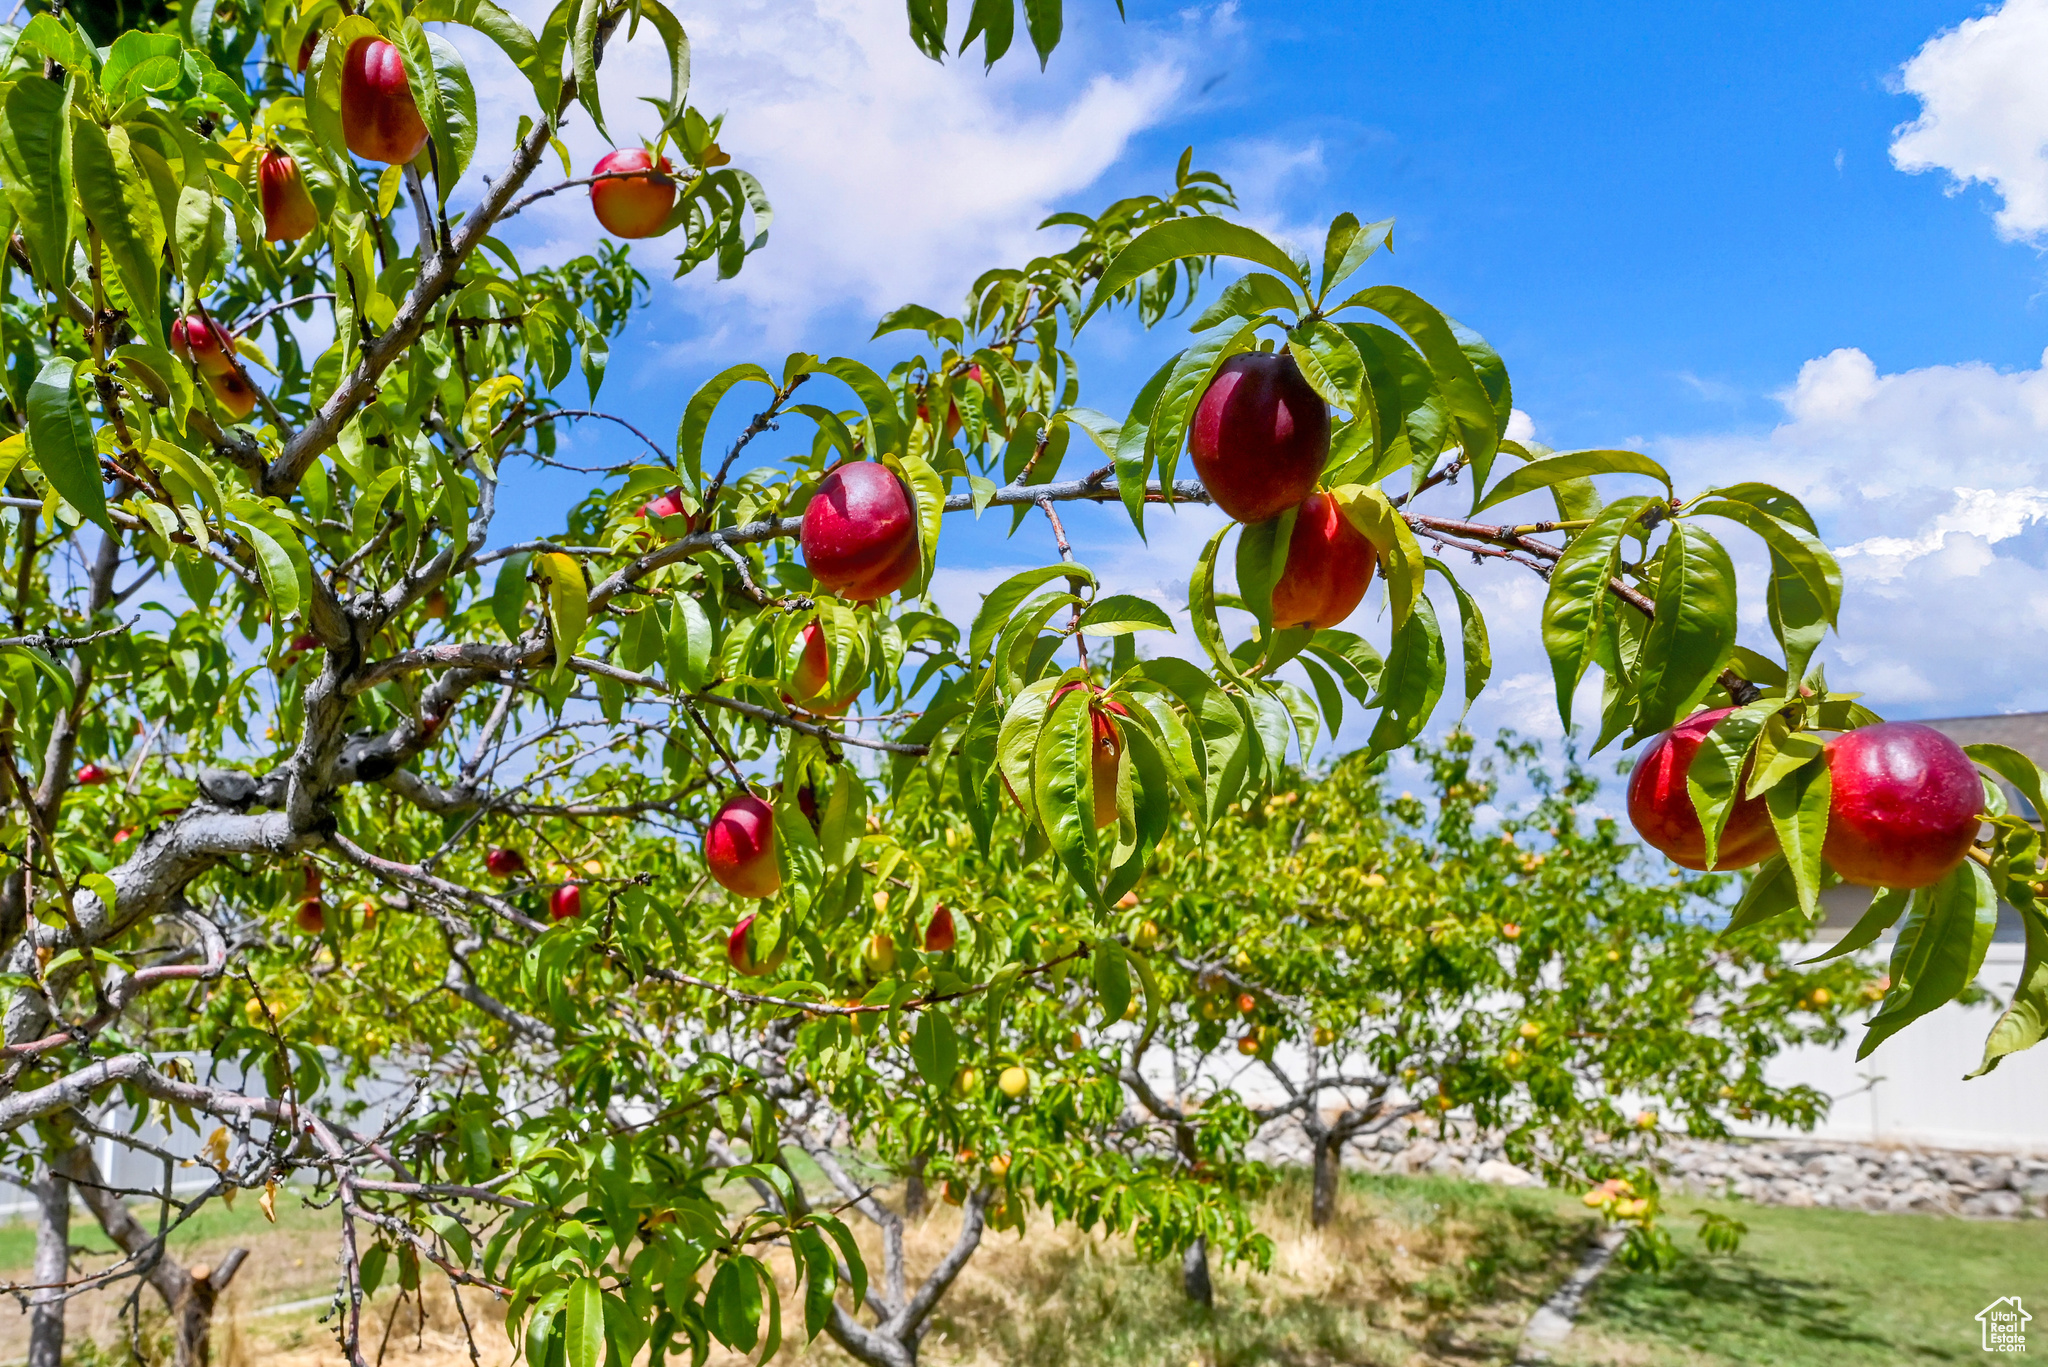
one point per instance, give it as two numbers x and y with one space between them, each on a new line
1820 1288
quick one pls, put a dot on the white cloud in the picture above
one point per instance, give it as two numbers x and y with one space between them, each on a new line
1933 485
893 177
1984 112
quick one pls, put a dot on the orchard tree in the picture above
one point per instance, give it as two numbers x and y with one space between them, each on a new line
286 732
1381 963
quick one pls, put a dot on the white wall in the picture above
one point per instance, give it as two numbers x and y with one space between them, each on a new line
1911 1089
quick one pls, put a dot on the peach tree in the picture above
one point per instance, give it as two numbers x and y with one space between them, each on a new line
311 781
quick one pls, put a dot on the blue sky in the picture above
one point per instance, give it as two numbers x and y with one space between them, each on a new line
1686 228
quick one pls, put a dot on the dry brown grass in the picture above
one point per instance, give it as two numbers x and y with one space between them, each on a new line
1411 1274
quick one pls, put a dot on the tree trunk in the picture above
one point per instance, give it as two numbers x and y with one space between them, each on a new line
914 1196
1194 1274
190 1295
195 1316
1329 1173
52 1266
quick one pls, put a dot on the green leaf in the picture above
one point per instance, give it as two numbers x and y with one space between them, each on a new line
568 604
1254 295
1405 415
1711 779
1566 465
2016 769
455 130
583 54
1184 388
1201 236
35 164
887 430
1939 950
2025 1021
1349 246
1120 614
1885 908
1799 812
677 44
1001 603
1042 19
585 1336
513 38
123 208
1692 632
1112 974
1412 681
1133 457
1261 560
1477 651
1330 361
1771 893
274 566
928 498
1465 398
697 417
508 595
1202 609
1792 547
1401 558
1017 743
1063 787
60 440
935 1049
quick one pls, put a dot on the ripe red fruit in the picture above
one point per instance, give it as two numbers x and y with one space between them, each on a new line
1246 1003
739 847
203 344
566 903
1904 805
504 863
306 641
306 51
635 207
234 394
939 934
669 504
813 675
89 774
739 952
1248 1045
1260 436
379 120
1329 567
860 533
1106 750
1662 812
311 917
288 212
437 605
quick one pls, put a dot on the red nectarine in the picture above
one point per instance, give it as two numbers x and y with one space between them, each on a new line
813 675
860 533
379 120
635 207
1260 435
1661 809
740 951
288 212
1329 568
739 847
1903 807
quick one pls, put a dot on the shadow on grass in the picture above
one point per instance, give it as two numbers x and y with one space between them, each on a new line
1725 1304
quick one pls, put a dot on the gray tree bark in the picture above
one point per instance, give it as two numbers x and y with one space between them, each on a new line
52 1192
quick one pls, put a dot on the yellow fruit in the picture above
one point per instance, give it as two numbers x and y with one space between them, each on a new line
1127 901
881 901
1248 1046
879 955
1530 1029
1131 1010
1375 880
1325 1037
1146 935
1000 1166
1513 1058
1821 996
253 1009
594 867
1013 1082
1646 1120
966 1082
